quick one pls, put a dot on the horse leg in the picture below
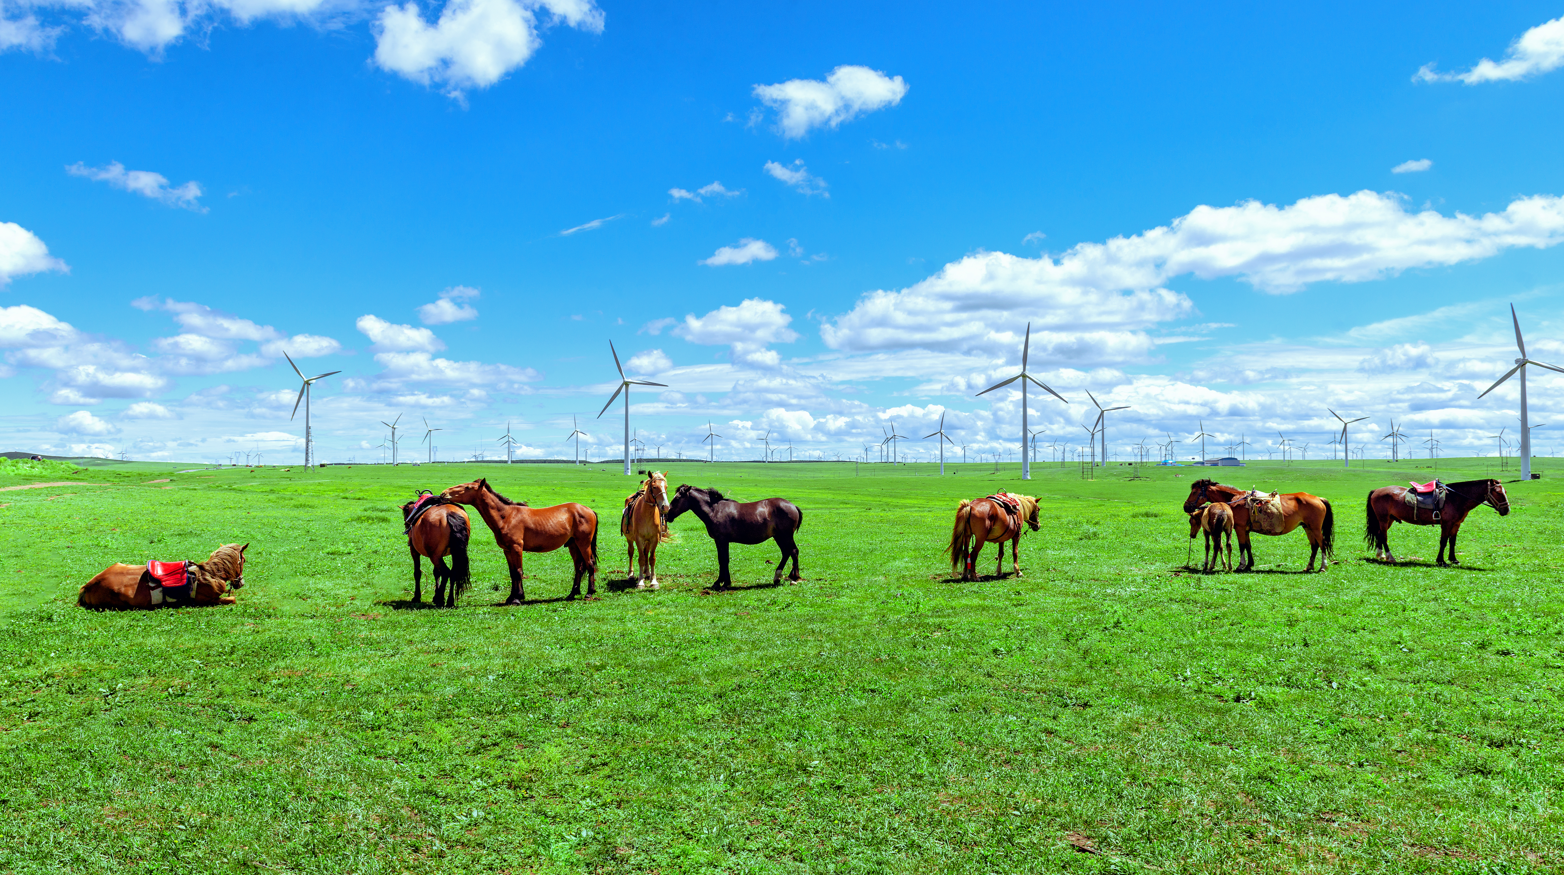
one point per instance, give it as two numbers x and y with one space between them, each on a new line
972 558
578 569
792 542
1455 530
1205 563
442 576
418 577
1015 556
723 580
630 564
1227 562
651 562
518 593
1245 552
999 561
776 577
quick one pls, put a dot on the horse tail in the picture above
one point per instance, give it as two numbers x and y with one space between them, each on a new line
461 533
1372 533
1328 532
798 523
959 538
593 564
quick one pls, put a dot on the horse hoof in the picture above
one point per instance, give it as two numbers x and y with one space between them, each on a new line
510 603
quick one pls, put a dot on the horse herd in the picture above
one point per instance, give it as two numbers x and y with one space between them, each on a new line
437 527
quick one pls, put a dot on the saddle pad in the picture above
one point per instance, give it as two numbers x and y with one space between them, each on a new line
1008 502
1265 513
417 508
1430 486
170 582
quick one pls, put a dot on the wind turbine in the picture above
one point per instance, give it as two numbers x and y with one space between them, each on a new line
1171 441
1520 365
1500 436
304 395
1395 437
507 441
1102 422
578 434
1036 433
1024 377
712 436
1203 435
429 438
624 386
943 438
767 441
893 438
1344 424
392 425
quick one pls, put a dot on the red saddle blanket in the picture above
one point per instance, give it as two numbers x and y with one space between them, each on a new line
1430 486
170 575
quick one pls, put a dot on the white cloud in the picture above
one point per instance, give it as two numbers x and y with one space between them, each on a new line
745 251
714 189
22 327
659 222
589 226
450 307
84 423
474 43
746 329
148 410
301 346
797 177
421 367
247 11
847 92
652 361
1417 166
22 253
390 337
1034 237
1400 357
656 326
207 322
1116 286
143 182
148 25
94 381
1538 51
25 33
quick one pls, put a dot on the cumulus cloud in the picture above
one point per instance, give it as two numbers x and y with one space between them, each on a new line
22 253
23 326
83 422
847 92
1538 51
203 320
390 337
421 367
143 182
652 361
450 307
745 251
745 329
1117 286
1417 166
301 346
590 226
475 43
714 189
1400 357
25 33
797 177
148 410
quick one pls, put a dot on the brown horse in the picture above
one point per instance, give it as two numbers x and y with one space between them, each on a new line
1311 512
1215 520
439 531
519 529
986 520
643 527
1387 505
729 522
131 587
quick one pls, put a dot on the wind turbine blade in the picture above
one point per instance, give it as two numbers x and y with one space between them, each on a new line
292 365
323 376
1518 342
1359 419
610 400
645 383
1026 348
616 359
1503 378
1094 399
947 437
1001 385
297 400
929 435
1542 365
1125 407
1044 386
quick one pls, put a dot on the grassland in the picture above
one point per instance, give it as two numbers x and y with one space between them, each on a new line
1108 712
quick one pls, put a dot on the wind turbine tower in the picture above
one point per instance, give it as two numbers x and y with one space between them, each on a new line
429 438
1102 424
712 450
943 437
392 425
508 443
1344 423
1520 366
304 395
624 386
1203 435
578 434
1024 377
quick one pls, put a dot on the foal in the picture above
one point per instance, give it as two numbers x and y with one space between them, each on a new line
1216 520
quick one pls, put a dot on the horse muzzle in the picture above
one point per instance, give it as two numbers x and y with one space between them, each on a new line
236 583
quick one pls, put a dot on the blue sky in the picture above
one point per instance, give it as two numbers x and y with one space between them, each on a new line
804 220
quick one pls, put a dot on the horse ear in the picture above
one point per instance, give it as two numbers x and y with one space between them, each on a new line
244 548
483 483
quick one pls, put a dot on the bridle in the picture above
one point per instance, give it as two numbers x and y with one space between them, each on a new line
1495 486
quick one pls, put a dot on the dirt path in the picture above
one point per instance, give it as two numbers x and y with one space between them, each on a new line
45 485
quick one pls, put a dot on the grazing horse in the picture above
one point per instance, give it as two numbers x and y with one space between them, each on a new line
1216 520
437 527
1311 512
986 519
519 529
642 525
134 587
728 522
1387 505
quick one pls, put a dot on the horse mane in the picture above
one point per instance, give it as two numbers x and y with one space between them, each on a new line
1204 481
1028 505
223 564
503 500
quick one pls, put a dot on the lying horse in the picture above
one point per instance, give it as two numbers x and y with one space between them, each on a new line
997 518
1311 512
519 529
1215 520
728 522
643 527
1388 505
437 527
136 587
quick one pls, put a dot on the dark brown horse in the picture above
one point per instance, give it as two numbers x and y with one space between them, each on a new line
441 530
1387 505
519 529
1311 512
728 522
131 587
987 521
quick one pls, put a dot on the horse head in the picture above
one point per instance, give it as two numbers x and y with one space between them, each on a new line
1497 499
656 486
465 493
1197 494
1031 517
222 571
682 501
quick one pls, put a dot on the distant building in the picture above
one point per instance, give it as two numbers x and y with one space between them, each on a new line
1224 462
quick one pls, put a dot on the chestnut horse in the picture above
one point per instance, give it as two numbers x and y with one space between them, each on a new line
1216 520
130 587
986 520
1387 505
519 529
729 522
1311 512
642 526
440 531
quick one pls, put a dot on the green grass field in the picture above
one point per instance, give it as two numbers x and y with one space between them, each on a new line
1108 712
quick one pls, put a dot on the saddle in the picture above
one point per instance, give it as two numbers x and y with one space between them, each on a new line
1265 512
1428 496
171 582
415 509
1008 502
